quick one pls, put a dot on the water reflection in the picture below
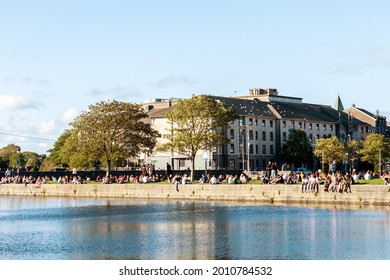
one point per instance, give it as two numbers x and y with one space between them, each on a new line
66 228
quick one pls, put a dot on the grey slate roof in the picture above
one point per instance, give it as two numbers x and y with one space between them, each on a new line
294 111
246 107
159 112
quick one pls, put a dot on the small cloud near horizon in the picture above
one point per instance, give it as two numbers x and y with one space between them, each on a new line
174 80
13 102
117 92
26 81
59 123
345 68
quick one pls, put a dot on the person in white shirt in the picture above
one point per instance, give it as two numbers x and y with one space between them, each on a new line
213 180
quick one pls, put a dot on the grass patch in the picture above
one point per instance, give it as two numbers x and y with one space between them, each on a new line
256 182
376 181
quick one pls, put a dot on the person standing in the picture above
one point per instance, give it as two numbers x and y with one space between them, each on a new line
269 169
168 171
176 180
274 170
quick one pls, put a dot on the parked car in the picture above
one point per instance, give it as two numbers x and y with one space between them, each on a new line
303 170
59 169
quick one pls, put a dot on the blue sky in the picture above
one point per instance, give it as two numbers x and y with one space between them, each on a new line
59 57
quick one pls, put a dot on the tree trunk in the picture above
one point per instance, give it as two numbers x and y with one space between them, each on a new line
192 168
108 168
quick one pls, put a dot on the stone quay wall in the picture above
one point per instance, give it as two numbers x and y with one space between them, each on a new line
373 195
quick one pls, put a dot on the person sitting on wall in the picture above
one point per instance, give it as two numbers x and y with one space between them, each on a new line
213 180
176 180
234 180
185 180
243 178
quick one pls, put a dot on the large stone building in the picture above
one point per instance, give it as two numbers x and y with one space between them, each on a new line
375 122
266 118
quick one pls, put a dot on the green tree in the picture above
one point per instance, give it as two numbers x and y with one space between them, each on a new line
108 132
6 152
297 149
47 164
197 124
329 150
352 149
16 160
31 159
55 152
375 148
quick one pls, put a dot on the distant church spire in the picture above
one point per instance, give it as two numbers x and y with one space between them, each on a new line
338 106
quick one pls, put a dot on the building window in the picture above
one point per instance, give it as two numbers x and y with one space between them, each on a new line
256 135
232 148
263 123
304 125
292 124
310 126
251 149
256 122
300 125
284 136
271 149
250 121
271 123
250 134
232 163
263 136
311 137
241 121
231 133
257 149
324 127
317 126
331 127
271 136
264 150
318 137
284 123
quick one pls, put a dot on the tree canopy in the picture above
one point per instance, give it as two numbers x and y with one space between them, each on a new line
329 150
197 124
373 147
109 132
6 152
297 149
55 152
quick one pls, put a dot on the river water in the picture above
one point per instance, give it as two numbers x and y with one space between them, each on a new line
88 229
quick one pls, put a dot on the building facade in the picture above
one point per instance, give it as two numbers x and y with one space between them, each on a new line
257 137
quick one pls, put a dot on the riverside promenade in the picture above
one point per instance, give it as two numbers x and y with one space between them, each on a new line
367 195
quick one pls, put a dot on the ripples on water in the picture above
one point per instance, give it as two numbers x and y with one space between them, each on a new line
60 228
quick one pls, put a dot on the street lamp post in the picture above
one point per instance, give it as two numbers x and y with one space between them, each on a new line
380 163
248 150
243 149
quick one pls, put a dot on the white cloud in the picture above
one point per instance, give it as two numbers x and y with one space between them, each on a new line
44 145
346 68
68 116
12 102
59 123
117 92
174 80
47 127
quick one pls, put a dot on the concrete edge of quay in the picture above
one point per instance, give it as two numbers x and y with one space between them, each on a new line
362 195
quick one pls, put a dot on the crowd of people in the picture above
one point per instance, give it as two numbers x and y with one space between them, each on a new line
334 181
